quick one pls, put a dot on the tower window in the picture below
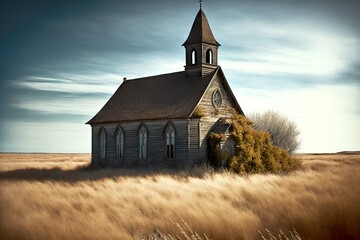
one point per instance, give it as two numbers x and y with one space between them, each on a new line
193 56
102 144
209 56
119 143
142 142
170 142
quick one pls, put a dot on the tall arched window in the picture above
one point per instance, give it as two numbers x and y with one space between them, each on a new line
142 142
209 56
119 141
170 142
193 56
102 141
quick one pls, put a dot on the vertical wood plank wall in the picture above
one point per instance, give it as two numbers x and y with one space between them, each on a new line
193 142
155 144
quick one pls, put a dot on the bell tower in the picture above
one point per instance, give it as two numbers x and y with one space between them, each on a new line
201 48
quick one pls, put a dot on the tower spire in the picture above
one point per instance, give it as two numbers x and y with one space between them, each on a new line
201 47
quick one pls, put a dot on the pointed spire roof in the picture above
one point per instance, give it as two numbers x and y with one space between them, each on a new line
201 31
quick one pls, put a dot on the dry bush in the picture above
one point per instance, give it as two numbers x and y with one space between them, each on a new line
198 112
320 202
254 151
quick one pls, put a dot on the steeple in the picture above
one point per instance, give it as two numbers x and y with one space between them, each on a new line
201 47
200 31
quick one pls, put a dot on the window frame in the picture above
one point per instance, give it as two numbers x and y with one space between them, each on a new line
215 92
102 143
119 146
170 141
193 56
143 137
209 56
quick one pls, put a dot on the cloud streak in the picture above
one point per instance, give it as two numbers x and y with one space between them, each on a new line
278 49
75 84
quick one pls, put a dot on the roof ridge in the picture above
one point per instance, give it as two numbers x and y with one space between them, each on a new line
154 76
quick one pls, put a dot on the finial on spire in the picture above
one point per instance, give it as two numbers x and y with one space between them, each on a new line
200 1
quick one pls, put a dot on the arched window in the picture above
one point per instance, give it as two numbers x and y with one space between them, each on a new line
119 141
102 141
142 142
170 142
193 56
209 56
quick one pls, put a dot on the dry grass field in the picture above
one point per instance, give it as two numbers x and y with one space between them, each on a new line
55 196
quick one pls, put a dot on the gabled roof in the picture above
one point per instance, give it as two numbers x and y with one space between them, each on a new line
201 31
166 96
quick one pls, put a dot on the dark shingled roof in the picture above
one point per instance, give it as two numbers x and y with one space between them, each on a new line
201 31
166 96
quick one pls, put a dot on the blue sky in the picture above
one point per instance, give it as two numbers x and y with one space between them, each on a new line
61 61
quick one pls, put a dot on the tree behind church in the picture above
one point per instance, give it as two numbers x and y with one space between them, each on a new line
283 132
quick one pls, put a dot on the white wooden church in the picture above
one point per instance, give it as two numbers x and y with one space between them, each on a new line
164 120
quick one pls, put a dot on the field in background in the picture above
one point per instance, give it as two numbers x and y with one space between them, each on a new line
11 161
55 196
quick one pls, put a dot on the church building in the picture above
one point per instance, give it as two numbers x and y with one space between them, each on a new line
164 120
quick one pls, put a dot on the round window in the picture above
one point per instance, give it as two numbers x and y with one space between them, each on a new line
217 98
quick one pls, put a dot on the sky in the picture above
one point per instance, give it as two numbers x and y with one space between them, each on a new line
60 61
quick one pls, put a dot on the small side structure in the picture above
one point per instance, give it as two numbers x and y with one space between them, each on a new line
164 120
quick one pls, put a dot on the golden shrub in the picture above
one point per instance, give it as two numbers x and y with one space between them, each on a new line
254 151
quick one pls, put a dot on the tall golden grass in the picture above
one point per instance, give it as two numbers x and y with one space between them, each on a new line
320 202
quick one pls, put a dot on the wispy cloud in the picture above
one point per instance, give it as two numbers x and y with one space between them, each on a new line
50 91
288 48
73 84
65 106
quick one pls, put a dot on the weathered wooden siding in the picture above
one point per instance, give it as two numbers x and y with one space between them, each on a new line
155 144
194 141
211 113
95 153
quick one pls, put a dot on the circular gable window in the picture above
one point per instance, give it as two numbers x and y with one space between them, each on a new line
217 98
